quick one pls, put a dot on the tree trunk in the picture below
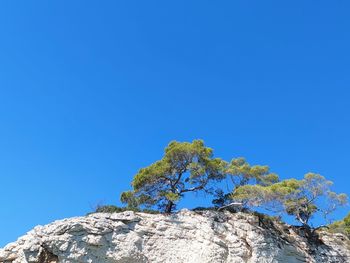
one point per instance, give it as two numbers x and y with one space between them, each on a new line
169 207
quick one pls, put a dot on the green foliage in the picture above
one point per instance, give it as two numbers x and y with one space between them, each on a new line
191 167
112 209
347 222
242 173
299 198
129 198
185 167
341 226
302 208
347 225
116 209
251 195
173 197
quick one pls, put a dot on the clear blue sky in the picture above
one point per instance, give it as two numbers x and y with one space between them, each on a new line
91 91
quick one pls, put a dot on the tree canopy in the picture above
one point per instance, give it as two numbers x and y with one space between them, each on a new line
185 167
298 198
191 167
239 172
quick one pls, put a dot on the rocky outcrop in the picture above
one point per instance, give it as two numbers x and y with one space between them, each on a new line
187 236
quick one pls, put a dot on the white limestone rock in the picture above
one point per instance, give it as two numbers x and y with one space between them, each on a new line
187 236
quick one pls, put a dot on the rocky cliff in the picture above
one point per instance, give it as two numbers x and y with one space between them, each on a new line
198 237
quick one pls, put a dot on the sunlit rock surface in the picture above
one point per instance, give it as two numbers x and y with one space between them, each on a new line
187 236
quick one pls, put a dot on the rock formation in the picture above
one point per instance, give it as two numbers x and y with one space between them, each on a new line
187 236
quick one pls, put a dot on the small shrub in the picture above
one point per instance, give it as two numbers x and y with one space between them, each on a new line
116 209
113 209
341 226
150 211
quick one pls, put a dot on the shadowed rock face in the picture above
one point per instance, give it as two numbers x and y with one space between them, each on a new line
45 256
187 236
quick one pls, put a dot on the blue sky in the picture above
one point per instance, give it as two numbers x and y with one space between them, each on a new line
91 91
